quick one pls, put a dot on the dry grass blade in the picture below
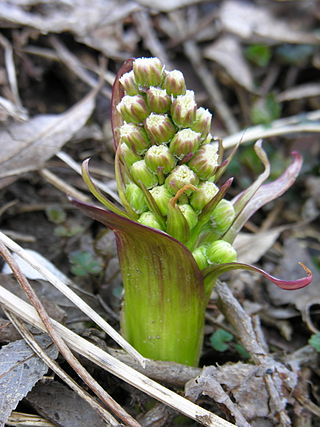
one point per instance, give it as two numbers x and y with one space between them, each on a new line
112 365
55 281
28 337
60 343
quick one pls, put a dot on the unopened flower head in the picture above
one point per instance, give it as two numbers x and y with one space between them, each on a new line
160 128
128 83
174 83
136 198
150 220
222 216
199 254
205 161
220 252
162 197
133 109
206 192
179 177
159 159
183 109
185 142
140 173
135 137
189 214
158 100
148 71
128 156
202 122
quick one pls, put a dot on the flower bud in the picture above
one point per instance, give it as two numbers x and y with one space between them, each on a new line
205 161
186 141
127 155
207 139
135 137
158 100
202 122
174 83
140 172
223 216
162 197
136 198
189 214
133 108
159 159
221 252
160 128
200 257
128 83
206 191
183 110
150 220
148 71
179 177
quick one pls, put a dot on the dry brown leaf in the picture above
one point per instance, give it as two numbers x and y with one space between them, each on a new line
26 146
227 52
251 247
250 21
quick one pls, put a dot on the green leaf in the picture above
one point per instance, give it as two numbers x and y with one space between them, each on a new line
265 110
220 338
68 230
56 214
242 351
314 341
84 263
259 54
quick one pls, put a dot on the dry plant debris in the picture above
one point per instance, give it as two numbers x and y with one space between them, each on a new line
256 66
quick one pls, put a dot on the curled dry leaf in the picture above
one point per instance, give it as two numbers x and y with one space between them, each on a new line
26 146
20 369
227 52
250 21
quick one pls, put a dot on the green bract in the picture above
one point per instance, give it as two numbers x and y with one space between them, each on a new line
175 235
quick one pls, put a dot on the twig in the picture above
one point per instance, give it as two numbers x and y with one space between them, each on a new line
112 365
62 185
53 365
242 323
309 122
61 345
72 296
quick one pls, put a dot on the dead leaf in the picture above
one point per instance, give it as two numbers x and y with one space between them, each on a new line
248 21
167 6
227 52
20 369
245 383
308 90
62 406
251 247
26 146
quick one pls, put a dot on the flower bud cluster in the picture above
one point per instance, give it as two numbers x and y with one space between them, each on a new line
168 152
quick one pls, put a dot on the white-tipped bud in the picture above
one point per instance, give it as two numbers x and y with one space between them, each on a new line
179 177
162 197
205 161
174 83
135 137
183 110
202 122
158 100
128 83
140 173
160 128
128 156
148 71
206 191
159 159
221 252
133 109
185 142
